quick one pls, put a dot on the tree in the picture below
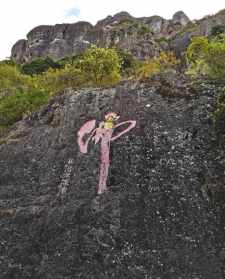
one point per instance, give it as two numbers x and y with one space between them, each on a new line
39 66
100 66
197 49
206 57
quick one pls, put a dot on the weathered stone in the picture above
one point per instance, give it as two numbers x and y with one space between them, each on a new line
19 51
136 35
180 18
163 214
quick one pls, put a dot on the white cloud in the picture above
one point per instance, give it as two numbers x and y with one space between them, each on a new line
18 17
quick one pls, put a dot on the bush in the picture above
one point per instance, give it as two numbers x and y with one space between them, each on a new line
39 66
57 80
129 64
143 29
13 107
206 57
100 66
19 95
218 29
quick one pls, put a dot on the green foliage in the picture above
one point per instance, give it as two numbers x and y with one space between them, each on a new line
206 57
14 106
11 80
57 80
162 40
129 64
197 49
100 66
39 66
126 23
189 28
8 62
21 94
218 29
143 29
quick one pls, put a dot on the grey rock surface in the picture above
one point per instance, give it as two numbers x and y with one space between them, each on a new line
163 214
123 31
181 18
139 36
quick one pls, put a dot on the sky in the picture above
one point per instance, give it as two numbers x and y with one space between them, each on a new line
18 17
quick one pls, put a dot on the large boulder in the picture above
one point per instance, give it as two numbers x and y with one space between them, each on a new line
57 42
163 213
180 18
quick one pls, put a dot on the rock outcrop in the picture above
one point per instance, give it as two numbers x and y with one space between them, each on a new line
163 214
136 35
180 18
202 27
143 37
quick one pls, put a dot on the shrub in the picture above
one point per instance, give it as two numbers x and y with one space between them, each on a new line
39 66
100 66
13 107
143 29
56 80
206 57
19 95
129 64
218 29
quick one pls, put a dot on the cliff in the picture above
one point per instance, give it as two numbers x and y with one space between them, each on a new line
163 213
143 37
136 35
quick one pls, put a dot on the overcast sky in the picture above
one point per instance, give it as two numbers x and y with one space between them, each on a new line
18 17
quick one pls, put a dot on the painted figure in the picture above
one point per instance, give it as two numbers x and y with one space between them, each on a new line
103 134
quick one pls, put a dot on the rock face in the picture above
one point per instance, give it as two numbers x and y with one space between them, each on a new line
136 35
163 214
203 27
180 18
142 37
56 41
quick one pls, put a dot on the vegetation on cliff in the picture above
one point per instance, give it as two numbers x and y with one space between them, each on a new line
207 57
24 88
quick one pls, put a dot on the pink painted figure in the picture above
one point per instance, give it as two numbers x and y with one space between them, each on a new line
104 133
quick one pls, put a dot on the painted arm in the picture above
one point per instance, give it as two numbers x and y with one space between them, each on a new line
131 126
85 129
99 133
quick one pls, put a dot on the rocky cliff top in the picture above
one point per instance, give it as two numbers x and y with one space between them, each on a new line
122 30
142 37
163 213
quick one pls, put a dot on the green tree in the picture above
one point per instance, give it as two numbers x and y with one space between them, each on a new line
206 57
19 95
218 29
197 49
100 66
39 66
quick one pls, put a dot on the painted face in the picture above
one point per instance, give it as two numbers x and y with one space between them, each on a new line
112 116
110 119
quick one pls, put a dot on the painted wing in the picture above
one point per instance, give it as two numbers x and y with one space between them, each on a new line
87 128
